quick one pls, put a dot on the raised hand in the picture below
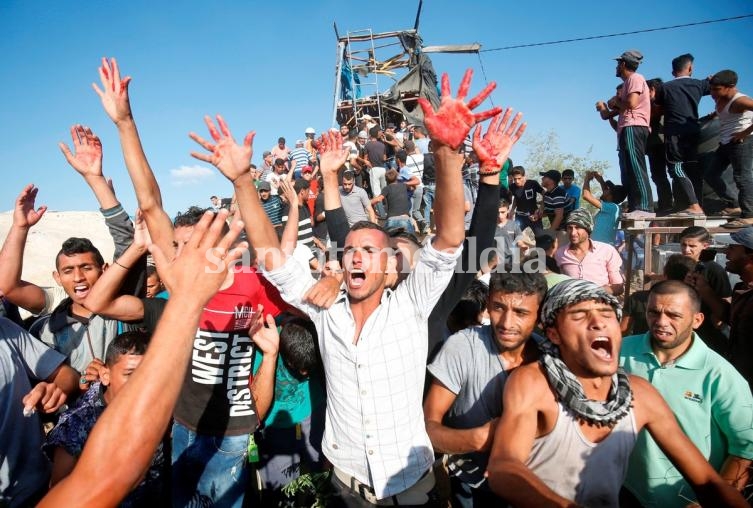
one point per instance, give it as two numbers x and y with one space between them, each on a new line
24 214
291 196
92 374
267 338
494 147
114 92
141 237
332 155
201 265
87 159
453 120
233 160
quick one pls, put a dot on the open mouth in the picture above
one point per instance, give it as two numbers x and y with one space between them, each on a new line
357 278
602 346
81 291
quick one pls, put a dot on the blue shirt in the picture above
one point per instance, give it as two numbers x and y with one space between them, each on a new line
605 223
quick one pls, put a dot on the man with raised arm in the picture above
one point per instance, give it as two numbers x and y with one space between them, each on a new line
86 159
217 409
570 421
127 434
373 340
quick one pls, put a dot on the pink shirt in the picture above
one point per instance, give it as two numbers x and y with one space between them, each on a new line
601 264
641 115
280 153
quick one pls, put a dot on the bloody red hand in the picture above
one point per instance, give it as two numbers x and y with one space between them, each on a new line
494 147
454 119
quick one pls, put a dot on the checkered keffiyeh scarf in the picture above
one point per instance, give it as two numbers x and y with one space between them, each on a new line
566 386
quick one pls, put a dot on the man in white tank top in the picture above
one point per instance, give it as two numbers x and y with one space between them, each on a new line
735 111
574 416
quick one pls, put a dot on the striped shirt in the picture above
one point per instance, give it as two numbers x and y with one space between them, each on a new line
305 229
301 157
554 199
273 209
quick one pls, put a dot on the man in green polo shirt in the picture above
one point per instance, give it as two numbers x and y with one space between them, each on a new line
711 400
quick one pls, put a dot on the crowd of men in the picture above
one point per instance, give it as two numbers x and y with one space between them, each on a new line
399 316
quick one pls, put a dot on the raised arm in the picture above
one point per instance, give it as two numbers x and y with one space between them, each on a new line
448 127
24 294
115 100
86 159
233 161
290 232
587 196
103 298
127 434
267 340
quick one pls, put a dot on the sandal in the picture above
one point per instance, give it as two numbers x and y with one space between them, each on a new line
738 223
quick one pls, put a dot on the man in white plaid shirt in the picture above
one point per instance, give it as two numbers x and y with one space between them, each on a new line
373 340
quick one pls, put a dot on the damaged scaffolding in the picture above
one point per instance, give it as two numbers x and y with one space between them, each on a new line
382 75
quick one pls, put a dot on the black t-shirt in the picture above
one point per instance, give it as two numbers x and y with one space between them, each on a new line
376 150
525 197
679 99
320 227
396 198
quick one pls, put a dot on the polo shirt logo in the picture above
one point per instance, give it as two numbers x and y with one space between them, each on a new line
693 397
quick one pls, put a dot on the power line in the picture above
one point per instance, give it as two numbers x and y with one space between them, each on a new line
549 43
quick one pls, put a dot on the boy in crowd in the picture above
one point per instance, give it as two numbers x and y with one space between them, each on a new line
524 192
66 441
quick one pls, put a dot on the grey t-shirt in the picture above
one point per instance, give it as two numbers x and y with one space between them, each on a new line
469 365
355 203
24 470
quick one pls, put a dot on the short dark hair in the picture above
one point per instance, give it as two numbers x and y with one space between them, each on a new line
518 170
503 202
568 172
364 224
298 346
301 184
698 232
280 139
402 156
349 175
409 145
678 266
726 77
655 84
374 131
133 342
631 66
679 63
190 217
619 194
471 304
674 287
151 270
515 281
391 175
213 197
421 129
73 246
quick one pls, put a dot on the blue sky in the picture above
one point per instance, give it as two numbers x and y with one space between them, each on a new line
269 66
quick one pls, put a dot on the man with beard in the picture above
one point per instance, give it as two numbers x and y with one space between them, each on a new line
570 421
373 340
468 376
711 400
